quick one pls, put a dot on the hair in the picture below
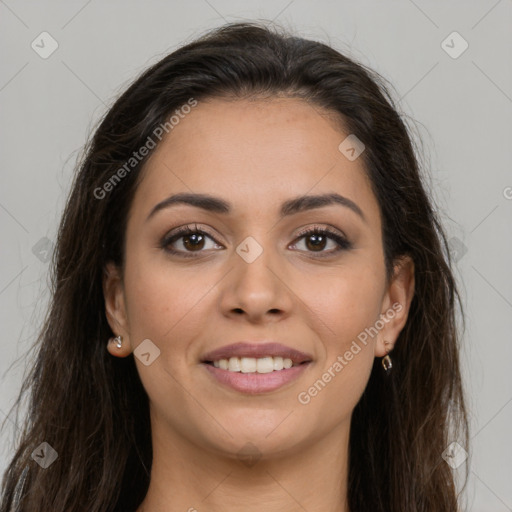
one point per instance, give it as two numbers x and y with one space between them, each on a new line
92 408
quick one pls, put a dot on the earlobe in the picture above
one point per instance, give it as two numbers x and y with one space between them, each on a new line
116 348
396 305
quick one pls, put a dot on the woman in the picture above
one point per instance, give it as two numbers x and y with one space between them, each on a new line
253 303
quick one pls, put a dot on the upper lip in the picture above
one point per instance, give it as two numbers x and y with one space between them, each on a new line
256 350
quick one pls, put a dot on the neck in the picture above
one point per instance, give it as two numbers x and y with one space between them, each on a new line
187 477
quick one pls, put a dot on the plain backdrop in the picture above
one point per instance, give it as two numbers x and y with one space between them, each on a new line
460 99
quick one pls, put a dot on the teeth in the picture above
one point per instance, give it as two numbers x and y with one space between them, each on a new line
234 364
278 363
253 365
265 365
247 364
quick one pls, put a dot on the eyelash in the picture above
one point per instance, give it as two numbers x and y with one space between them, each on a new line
343 243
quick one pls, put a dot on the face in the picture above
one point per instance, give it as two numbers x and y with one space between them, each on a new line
253 270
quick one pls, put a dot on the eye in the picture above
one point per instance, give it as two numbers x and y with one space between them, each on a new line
316 240
187 239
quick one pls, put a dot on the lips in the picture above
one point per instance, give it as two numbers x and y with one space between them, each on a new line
256 350
256 383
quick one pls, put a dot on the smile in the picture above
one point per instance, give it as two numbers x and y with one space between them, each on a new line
255 376
265 364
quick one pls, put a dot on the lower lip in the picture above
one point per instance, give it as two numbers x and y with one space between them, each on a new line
254 383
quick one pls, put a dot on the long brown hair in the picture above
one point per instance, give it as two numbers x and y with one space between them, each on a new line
92 409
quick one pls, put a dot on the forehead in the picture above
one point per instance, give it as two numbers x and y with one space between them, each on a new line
256 154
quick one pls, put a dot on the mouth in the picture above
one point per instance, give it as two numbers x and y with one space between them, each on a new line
255 357
255 368
267 364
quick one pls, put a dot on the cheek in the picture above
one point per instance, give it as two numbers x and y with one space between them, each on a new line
166 307
347 300
343 306
160 300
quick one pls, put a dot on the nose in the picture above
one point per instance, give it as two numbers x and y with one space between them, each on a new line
256 290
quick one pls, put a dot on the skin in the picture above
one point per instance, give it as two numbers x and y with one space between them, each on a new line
254 154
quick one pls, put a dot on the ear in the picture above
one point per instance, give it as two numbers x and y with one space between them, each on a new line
115 308
395 305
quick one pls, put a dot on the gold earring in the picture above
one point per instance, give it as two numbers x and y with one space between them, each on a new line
387 364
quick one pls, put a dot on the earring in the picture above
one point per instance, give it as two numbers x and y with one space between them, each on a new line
387 364
118 340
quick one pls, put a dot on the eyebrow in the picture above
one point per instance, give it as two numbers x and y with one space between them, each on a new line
290 207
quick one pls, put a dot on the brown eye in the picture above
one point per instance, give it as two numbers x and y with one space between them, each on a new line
317 240
187 240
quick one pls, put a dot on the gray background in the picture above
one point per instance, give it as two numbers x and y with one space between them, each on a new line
462 106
